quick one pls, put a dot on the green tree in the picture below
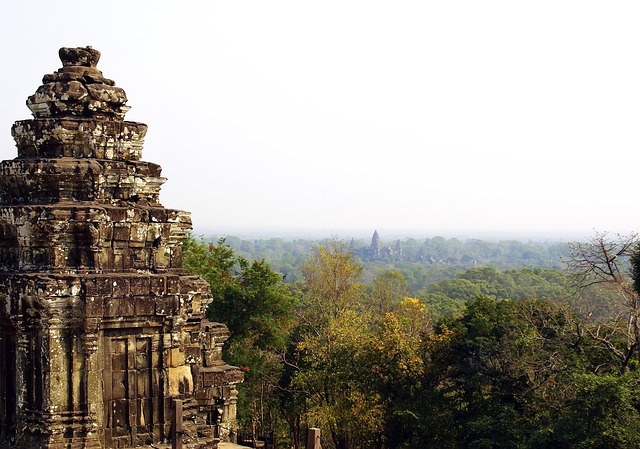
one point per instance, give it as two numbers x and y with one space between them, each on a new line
329 355
462 289
395 368
331 281
213 262
499 372
251 299
442 307
602 413
331 375
387 289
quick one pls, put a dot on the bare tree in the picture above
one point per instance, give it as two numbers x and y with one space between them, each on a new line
600 268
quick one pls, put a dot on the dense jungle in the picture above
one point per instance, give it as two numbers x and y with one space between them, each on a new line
440 343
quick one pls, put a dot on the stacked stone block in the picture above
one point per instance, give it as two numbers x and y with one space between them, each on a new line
99 324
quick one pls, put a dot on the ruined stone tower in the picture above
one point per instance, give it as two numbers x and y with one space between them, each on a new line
100 327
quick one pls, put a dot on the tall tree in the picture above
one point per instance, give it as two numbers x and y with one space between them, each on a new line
635 268
386 291
330 354
331 280
251 299
602 264
395 368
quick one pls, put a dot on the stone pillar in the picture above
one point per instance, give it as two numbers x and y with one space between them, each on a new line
22 360
91 390
232 411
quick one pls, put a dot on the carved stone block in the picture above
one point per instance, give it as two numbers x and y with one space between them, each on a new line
100 326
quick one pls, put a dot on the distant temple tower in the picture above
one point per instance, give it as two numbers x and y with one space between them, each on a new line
100 327
398 253
374 250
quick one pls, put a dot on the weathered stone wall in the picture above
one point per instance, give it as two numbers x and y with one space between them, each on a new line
100 326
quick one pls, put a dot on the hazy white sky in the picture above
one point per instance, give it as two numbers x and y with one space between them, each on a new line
433 116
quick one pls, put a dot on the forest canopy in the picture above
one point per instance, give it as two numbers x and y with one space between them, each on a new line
523 351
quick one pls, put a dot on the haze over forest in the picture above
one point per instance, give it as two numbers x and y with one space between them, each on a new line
391 234
431 118
477 138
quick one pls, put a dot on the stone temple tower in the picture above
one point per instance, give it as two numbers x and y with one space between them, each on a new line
100 327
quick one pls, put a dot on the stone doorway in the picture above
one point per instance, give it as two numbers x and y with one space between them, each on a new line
132 396
7 384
